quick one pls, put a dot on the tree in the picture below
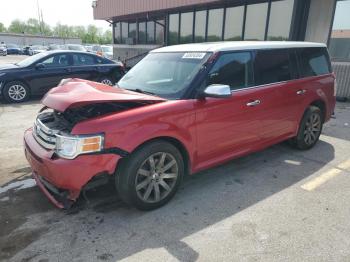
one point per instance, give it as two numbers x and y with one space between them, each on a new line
17 26
107 37
2 28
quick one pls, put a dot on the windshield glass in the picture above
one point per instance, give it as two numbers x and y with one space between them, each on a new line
164 74
30 60
107 49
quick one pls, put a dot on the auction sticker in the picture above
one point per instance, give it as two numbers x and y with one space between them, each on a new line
193 55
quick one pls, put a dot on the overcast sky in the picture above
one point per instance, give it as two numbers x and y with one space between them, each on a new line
71 12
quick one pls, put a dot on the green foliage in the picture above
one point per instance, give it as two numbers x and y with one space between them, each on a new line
90 34
2 28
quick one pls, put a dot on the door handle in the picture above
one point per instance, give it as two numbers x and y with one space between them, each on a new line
301 92
254 103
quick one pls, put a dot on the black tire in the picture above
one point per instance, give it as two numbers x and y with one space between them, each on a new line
127 176
107 81
304 139
9 88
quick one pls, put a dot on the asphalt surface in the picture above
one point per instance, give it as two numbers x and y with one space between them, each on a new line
279 204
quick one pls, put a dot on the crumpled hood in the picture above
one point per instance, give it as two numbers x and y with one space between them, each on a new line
78 92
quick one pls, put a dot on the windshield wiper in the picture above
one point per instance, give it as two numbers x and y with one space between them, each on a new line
138 90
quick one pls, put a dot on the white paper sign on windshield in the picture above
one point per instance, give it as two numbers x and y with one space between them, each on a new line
193 55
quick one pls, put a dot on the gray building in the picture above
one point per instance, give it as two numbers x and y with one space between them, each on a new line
26 39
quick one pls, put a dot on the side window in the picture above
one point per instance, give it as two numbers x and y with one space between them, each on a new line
82 59
314 61
56 61
233 69
272 66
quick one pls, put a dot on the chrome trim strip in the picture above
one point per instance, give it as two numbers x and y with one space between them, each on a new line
43 143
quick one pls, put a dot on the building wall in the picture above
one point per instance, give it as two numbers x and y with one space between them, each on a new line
320 20
35 40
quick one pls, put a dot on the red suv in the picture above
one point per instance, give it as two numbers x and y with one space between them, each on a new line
180 110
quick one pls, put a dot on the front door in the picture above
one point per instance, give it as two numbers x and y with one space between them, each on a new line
53 69
228 127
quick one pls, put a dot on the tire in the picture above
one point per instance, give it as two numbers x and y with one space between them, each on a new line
16 92
107 81
310 129
143 188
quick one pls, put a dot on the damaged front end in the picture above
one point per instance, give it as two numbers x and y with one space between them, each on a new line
65 164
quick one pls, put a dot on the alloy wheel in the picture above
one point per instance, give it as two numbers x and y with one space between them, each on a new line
107 82
156 177
312 129
17 92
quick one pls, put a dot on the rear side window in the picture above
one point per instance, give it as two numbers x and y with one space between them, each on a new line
233 69
314 61
83 59
272 66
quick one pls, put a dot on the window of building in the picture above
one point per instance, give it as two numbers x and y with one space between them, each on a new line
173 29
186 28
272 66
256 21
215 23
234 23
117 33
133 32
280 20
142 33
233 69
199 28
160 32
150 32
125 29
314 61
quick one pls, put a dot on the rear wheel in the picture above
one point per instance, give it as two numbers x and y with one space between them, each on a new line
310 129
16 92
107 81
150 177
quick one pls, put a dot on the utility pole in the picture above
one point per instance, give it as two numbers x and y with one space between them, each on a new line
40 23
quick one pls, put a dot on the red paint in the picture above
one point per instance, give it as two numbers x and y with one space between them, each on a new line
211 130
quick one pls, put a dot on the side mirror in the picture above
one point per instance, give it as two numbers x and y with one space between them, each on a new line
39 66
217 91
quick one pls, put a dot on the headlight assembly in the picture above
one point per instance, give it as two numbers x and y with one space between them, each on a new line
70 147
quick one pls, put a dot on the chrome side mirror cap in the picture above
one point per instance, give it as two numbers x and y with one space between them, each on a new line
217 91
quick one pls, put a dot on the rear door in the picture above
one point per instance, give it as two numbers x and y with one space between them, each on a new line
85 67
274 71
53 69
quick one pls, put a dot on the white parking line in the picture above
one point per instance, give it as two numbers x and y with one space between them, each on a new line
323 178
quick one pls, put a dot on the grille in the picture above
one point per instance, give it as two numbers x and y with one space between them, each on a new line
44 135
342 71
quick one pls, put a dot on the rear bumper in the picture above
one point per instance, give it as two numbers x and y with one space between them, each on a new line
62 180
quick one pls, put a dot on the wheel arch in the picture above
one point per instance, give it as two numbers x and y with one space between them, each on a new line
322 106
175 142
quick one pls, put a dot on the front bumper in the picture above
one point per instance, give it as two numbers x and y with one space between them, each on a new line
62 180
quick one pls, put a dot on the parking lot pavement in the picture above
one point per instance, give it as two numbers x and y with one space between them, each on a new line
9 59
276 205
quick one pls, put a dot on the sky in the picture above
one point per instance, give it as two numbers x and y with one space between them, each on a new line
70 12
342 15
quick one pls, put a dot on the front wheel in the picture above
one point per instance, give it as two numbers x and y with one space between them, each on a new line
16 92
310 129
150 177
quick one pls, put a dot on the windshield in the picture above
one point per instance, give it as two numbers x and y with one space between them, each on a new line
30 60
107 49
164 74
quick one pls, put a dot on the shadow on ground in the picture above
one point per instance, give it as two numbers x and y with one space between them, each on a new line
105 223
